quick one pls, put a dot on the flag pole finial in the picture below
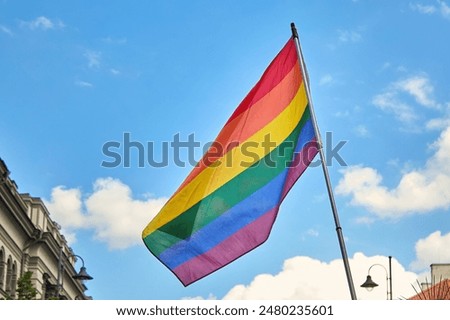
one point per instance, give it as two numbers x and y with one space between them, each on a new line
294 31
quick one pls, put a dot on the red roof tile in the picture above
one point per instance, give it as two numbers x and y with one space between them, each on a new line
439 291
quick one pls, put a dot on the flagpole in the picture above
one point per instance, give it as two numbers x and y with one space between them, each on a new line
324 165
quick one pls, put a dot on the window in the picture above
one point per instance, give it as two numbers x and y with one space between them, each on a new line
8 276
11 278
2 268
14 280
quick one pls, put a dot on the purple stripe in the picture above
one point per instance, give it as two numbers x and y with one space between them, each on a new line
228 223
250 236
246 211
229 250
299 165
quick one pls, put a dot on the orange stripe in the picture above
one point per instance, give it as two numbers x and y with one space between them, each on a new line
214 177
275 72
241 128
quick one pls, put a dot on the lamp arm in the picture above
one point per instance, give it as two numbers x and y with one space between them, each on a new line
387 278
380 265
77 256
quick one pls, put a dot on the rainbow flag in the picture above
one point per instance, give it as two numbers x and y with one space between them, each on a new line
227 205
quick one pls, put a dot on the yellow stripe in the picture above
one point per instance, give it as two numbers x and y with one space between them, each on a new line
214 177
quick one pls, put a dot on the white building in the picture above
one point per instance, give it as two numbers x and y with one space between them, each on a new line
31 241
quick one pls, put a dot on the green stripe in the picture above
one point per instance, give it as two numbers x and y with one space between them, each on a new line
228 195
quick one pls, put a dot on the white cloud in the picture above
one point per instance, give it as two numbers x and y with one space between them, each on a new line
432 249
438 123
386 65
389 102
210 297
441 7
420 88
305 278
364 220
115 216
65 207
6 30
42 23
312 233
362 131
326 79
425 9
419 191
402 69
417 87
349 36
342 114
83 84
444 9
114 71
93 58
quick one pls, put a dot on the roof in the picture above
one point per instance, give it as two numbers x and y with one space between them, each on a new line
439 291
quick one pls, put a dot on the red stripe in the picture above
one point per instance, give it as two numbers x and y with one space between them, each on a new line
277 70
250 121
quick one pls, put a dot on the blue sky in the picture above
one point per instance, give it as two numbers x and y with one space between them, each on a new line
78 74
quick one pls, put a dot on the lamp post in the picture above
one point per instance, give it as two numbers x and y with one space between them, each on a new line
81 275
369 284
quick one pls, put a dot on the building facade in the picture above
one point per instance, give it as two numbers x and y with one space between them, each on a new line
31 241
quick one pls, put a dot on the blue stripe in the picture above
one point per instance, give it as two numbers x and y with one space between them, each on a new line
306 135
237 217
228 223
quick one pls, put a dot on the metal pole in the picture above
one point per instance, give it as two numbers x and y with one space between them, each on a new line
58 280
390 276
324 166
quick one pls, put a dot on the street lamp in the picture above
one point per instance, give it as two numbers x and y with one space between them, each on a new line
81 275
369 284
